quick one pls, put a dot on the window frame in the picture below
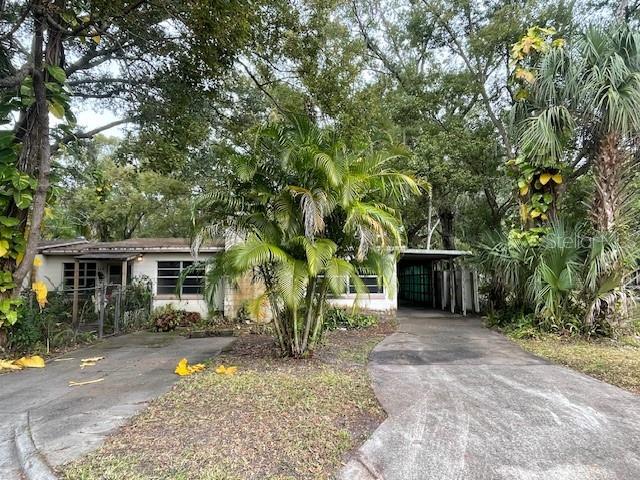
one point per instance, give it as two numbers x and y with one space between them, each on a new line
85 281
187 291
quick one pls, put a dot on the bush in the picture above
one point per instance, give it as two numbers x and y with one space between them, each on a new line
341 318
167 318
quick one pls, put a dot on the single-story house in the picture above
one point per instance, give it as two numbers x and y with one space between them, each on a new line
426 278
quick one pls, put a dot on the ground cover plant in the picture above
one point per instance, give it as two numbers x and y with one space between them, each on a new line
276 418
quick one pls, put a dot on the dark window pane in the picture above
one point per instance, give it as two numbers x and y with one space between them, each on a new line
191 290
168 273
169 265
166 290
168 282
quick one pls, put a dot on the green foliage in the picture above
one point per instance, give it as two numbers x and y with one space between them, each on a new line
310 212
569 280
341 318
42 330
101 199
16 195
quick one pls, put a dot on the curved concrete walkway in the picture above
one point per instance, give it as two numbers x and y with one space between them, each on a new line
44 422
465 403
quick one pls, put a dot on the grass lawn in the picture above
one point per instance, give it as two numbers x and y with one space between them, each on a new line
274 419
613 361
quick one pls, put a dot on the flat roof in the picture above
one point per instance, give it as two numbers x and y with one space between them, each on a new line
430 254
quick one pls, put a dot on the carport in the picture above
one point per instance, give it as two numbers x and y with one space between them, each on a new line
435 279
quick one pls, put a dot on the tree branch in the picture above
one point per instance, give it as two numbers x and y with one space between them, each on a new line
88 134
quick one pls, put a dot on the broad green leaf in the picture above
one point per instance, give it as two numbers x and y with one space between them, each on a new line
57 73
56 109
9 221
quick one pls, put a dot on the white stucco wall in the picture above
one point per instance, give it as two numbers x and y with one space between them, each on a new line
51 272
193 303
377 302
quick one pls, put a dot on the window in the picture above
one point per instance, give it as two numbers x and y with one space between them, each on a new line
87 275
169 274
370 281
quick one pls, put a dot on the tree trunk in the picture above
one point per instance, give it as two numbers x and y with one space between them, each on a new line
447 223
608 171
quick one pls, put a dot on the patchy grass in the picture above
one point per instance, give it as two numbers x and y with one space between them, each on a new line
613 361
275 419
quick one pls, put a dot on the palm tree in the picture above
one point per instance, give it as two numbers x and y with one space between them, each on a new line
583 109
311 215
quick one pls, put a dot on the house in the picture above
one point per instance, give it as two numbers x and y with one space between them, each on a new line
425 278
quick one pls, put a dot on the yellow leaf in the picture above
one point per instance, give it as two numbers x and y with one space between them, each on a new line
96 38
19 258
544 178
40 290
525 75
4 248
30 362
182 368
37 261
535 213
222 370
557 178
9 365
524 190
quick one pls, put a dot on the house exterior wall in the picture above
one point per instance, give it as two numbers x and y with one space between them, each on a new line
51 272
148 266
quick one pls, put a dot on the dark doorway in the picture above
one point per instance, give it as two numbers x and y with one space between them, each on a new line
415 283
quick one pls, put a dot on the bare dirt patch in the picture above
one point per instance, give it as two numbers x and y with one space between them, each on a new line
275 419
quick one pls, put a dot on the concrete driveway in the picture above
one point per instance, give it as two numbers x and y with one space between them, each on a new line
465 403
44 422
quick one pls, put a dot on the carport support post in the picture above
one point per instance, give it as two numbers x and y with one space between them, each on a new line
76 293
452 288
463 290
476 297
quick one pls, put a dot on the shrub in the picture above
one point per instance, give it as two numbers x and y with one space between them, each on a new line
342 318
189 318
167 318
164 319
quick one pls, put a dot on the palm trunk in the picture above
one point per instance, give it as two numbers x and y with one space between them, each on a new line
608 170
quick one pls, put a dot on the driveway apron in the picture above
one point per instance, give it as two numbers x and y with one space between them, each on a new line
465 403
44 422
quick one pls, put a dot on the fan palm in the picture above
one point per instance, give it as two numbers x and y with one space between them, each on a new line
585 107
310 216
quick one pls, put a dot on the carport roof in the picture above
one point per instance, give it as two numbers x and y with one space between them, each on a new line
424 254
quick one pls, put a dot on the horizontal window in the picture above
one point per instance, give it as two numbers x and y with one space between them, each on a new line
169 275
370 282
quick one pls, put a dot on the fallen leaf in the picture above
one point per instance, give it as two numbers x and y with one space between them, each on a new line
35 361
183 368
222 370
78 384
92 359
9 365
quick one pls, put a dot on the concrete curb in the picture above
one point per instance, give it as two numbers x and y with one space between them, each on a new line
32 462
